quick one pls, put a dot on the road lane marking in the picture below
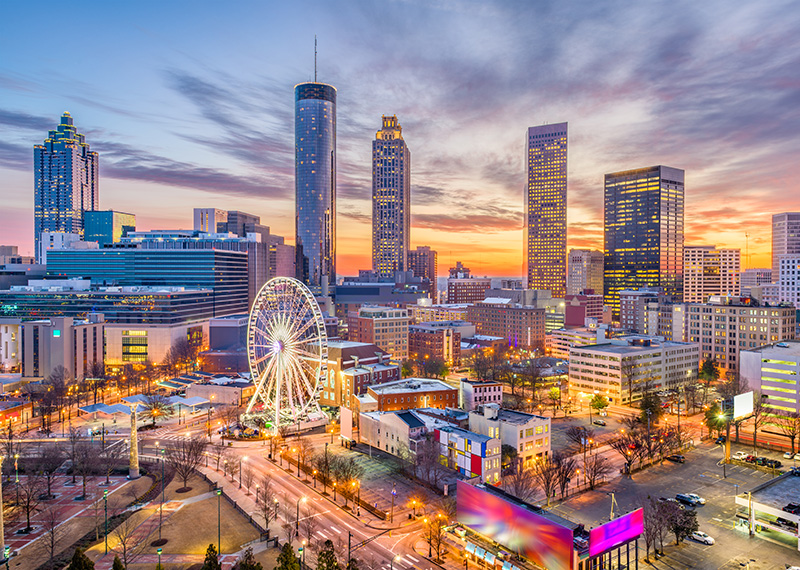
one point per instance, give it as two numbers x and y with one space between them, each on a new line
333 528
412 558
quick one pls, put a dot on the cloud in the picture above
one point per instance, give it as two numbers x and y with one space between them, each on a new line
25 121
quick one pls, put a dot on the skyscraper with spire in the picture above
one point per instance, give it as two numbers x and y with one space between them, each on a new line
315 183
546 209
391 199
66 182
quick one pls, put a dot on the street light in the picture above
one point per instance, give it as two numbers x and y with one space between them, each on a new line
315 478
297 514
159 557
334 492
219 520
303 552
256 493
16 475
105 505
391 562
161 507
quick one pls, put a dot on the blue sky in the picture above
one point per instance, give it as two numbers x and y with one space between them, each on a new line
190 104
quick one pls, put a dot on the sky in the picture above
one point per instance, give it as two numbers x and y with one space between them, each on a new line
190 104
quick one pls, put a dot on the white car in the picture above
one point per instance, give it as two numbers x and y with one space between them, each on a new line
788 455
797 456
702 537
740 455
697 498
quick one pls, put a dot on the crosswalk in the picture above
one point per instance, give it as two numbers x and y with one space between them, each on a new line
406 561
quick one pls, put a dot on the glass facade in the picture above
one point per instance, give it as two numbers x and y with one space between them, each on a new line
315 183
66 182
546 209
107 226
643 231
391 199
222 272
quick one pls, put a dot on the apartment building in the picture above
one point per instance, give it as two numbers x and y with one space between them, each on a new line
529 434
384 326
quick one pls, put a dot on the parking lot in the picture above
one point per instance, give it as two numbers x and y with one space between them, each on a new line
700 474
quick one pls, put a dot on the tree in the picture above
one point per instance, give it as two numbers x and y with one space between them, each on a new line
156 407
117 564
565 470
30 492
229 414
211 561
48 463
532 374
96 377
75 439
248 475
682 522
481 365
184 457
427 460
247 561
708 374
52 531
286 559
630 445
345 470
309 523
10 444
80 561
87 460
266 500
433 532
407 370
714 419
651 408
545 471
326 559
653 524
508 457
599 402
581 436
305 451
111 456
521 483
759 415
554 395
128 544
789 424
596 467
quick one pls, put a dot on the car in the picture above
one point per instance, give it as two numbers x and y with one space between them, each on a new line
720 440
751 458
761 460
603 413
786 522
697 498
774 463
788 455
797 456
677 458
792 508
685 499
700 536
740 455
599 422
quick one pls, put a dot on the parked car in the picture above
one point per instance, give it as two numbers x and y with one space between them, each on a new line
751 458
685 499
603 413
697 498
797 456
773 463
599 422
786 522
740 455
720 440
788 455
792 508
677 458
761 460
700 536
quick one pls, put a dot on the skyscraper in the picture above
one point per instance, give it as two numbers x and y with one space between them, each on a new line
584 271
785 238
315 183
66 181
546 209
710 271
422 262
391 199
643 232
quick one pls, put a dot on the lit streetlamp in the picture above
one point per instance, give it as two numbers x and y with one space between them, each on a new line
219 520
297 514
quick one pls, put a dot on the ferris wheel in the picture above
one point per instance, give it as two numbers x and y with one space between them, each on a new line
287 351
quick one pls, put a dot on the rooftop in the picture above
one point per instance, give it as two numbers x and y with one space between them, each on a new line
411 385
790 348
778 492
410 419
466 434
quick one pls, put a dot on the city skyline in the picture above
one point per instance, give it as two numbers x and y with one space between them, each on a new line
178 123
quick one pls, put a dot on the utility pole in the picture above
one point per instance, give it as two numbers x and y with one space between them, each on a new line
394 493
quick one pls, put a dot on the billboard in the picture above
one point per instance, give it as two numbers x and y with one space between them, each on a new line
535 537
616 532
743 405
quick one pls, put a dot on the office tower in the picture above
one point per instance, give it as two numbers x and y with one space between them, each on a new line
315 183
391 199
709 271
206 219
754 277
386 327
788 282
546 209
107 226
66 181
785 238
423 263
584 271
643 232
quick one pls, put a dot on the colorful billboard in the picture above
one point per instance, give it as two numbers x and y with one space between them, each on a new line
535 537
616 532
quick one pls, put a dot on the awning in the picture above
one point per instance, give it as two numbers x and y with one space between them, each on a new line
489 557
470 548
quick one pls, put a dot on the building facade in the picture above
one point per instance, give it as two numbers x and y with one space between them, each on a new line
546 208
391 199
315 184
643 232
474 393
754 277
623 369
424 313
467 290
521 326
107 226
774 371
351 368
440 342
727 325
584 271
710 271
423 263
66 181
383 326
785 238
408 394
788 282
469 453
578 308
529 434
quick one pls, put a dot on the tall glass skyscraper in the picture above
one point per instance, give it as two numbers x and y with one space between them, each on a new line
546 209
315 183
643 232
391 199
66 182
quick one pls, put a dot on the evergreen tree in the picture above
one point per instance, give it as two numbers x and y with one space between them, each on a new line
286 559
326 559
80 561
247 562
650 403
212 560
117 565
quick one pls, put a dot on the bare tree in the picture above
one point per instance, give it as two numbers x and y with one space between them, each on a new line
266 500
652 524
304 451
545 471
52 532
580 436
759 415
87 458
232 467
248 475
30 492
521 483
128 545
789 424
10 444
427 460
229 415
433 532
630 446
309 523
344 471
184 457
565 470
48 463
596 467
75 439
111 457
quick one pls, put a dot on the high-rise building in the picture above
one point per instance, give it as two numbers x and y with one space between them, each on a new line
391 199
754 277
206 219
546 209
710 271
107 226
66 181
386 327
315 183
584 271
785 238
788 285
643 230
422 262
521 326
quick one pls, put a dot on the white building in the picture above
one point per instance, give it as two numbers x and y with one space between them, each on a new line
473 393
789 279
754 277
774 370
561 340
529 434
584 271
785 238
709 271
623 367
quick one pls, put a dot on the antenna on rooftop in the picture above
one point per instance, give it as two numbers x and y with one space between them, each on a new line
746 249
315 58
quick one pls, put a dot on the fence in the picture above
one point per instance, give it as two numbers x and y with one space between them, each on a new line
213 485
